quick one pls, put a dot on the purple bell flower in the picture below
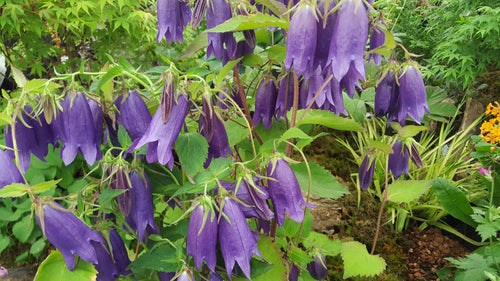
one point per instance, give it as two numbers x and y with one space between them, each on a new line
106 268
377 39
237 241
415 156
141 218
173 16
220 44
323 38
317 267
387 97
119 180
284 100
218 145
214 276
134 115
348 43
412 97
186 276
285 192
69 234
265 102
79 130
9 173
301 41
398 160
161 137
202 237
366 172
254 203
120 254
294 273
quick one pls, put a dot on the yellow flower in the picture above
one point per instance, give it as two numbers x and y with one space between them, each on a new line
490 129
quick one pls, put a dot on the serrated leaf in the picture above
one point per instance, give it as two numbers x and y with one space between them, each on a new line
34 85
453 200
111 74
192 149
487 230
108 194
13 190
23 228
321 241
324 183
44 186
18 76
358 262
402 191
294 133
54 268
299 256
253 21
328 119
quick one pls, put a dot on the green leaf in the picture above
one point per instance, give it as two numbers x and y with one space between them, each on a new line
5 119
321 241
13 190
54 268
253 21
108 194
225 71
357 261
163 258
407 131
382 146
197 44
23 228
4 243
328 119
252 60
192 149
453 200
111 74
402 191
37 247
276 7
294 133
44 186
324 183
276 52
34 85
291 228
299 256
18 76
355 107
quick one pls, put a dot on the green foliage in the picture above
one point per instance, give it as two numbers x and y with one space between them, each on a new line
358 262
453 200
54 268
459 39
402 191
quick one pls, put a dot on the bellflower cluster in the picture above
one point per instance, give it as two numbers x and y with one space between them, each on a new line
265 102
285 192
161 137
173 16
398 101
254 203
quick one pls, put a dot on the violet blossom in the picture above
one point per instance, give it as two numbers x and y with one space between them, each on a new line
9 173
387 97
301 40
398 160
237 242
265 102
285 192
120 254
412 96
3 272
347 47
220 44
377 39
317 267
161 137
133 114
68 234
484 171
202 237
366 172
284 99
173 16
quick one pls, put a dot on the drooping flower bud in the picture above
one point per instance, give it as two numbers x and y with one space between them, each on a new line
119 181
68 234
133 115
301 41
366 172
415 156
167 97
218 145
285 192
141 218
202 237
173 16
398 160
284 99
161 137
412 97
387 97
348 44
237 241
294 273
265 102
200 6
317 267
